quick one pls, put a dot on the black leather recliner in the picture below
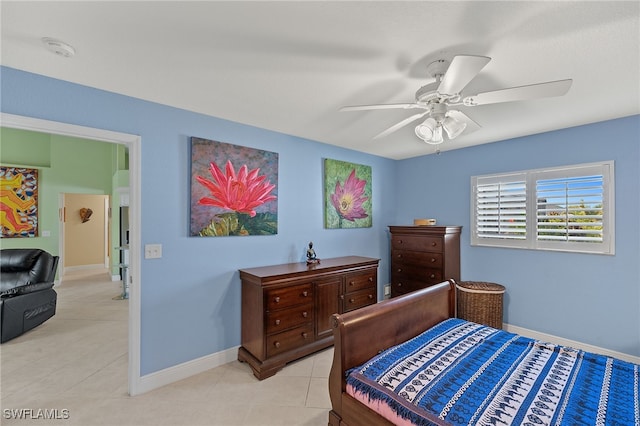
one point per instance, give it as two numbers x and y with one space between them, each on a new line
27 297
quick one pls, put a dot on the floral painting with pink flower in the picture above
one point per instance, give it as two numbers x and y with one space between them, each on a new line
233 190
347 189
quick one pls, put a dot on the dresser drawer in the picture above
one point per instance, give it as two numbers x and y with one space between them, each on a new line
401 287
291 339
429 260
285 297
416 272
411 242
359 299
287 318
365 280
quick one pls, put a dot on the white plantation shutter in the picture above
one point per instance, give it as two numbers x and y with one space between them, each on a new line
567 208
570 209
501 210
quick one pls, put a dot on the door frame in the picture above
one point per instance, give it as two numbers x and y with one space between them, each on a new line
133 143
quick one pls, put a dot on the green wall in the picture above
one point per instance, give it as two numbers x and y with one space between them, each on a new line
66 165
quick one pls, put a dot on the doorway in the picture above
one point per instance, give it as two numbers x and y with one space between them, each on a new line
133 144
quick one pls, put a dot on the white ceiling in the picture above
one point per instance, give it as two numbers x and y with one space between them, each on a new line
290 66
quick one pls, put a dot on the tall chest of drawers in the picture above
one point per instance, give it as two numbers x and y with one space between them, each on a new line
422 256
286 309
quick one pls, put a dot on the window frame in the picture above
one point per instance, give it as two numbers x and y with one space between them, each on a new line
530 179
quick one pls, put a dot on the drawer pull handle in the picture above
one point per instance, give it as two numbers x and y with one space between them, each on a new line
370 279
276 344
305 293
277 322
352 301
351 283
371 296
305 314
277 299
433 259
305 335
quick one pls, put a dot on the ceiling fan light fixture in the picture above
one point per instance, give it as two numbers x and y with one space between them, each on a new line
453 127
426 129
437 136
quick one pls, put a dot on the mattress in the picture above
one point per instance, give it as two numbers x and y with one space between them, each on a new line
463 373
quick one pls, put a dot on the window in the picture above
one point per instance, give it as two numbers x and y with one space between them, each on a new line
567 208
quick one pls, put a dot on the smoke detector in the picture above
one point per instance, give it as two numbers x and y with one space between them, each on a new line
58 47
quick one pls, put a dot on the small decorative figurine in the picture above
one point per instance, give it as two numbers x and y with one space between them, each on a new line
311 255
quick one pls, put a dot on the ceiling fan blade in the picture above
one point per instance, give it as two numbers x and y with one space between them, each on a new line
532 91
400 124
461 71
380 106
472 126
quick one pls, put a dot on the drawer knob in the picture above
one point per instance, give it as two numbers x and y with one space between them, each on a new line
433 259
277 322
432 276
351 283
399 269
399 256
276 344
370 279
433 244
276 299
342 297
399 284
305 314
400 241
352 301
305 293
305 335
371 296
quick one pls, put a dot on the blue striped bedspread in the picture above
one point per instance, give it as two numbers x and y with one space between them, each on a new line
462 373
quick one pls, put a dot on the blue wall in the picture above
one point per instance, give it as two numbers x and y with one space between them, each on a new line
191 297
589 298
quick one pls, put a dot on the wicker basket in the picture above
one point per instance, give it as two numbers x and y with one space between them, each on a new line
480 302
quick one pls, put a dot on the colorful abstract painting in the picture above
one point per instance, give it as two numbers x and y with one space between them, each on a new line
19 202
347 189
234 190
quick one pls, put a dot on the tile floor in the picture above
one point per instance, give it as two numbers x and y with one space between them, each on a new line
74 366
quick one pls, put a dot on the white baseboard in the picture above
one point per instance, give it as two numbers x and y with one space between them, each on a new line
187 369
567 342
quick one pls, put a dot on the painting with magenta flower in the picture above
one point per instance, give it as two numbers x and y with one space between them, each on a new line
347 189
233 190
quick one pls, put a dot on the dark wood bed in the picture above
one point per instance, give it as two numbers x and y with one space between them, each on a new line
362 334
411 360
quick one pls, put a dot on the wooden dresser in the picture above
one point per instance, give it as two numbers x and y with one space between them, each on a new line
286 309
422 256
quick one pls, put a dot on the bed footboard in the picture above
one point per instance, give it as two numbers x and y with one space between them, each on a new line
361 334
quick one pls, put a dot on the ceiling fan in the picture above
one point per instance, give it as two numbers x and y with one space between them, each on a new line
439 99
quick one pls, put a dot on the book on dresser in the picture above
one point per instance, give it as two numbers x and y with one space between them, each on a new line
422 256
287 309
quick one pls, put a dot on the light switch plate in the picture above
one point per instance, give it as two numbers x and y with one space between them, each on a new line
153 251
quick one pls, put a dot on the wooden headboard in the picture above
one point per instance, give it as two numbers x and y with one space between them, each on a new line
361 334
